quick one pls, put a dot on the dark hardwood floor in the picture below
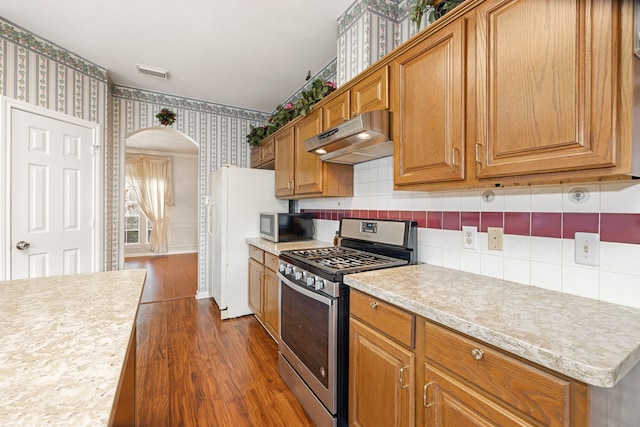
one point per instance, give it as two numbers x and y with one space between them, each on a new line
194 369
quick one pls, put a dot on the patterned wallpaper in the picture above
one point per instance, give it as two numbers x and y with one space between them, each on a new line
37 71
367 31
219 130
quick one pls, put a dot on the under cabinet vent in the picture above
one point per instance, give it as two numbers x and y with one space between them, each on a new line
154 72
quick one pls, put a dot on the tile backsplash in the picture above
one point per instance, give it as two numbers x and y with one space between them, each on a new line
539 225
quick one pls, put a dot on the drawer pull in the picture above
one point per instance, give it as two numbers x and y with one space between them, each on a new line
373 304
477 354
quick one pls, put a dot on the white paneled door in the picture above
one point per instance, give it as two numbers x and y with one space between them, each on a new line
52 206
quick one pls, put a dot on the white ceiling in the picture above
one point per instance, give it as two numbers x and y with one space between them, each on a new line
251 54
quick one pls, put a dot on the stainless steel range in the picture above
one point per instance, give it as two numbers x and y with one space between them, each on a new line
314 309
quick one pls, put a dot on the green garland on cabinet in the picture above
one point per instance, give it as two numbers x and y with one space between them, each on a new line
289 111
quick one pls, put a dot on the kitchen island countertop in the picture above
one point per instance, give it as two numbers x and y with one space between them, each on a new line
64 343
591 341
276 248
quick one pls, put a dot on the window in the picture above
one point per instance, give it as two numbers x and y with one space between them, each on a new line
134 221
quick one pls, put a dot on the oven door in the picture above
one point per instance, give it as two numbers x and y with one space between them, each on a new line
308 328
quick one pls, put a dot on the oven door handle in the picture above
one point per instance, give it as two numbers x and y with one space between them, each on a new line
325 300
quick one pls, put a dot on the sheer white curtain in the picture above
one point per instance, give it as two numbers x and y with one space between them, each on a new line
150 177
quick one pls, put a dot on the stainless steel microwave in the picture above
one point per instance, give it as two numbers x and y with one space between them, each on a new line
286 227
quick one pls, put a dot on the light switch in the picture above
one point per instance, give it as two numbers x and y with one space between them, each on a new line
587 248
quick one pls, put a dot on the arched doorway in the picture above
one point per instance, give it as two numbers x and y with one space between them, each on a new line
182 227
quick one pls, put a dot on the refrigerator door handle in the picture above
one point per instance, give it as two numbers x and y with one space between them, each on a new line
210 218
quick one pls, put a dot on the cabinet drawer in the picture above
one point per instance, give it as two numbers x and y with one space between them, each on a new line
271 261
533 391
256 253
395 322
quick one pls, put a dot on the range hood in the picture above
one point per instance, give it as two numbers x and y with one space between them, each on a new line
363 138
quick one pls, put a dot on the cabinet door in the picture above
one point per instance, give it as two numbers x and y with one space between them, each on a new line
381 378
256 156
256 271
450 402
546 87
271 303
429 105
336 111
371 94
268 151
308 166
284 168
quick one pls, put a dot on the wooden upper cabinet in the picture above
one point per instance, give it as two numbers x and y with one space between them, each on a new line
546 87
308 166
336 110
284 162
428 104
368 94
263 155
371 93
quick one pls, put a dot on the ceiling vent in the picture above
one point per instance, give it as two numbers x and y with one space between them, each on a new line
154 72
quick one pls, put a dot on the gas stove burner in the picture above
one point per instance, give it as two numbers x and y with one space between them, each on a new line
342 259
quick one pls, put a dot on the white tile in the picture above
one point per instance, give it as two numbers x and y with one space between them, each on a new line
619 288
517 200
471 201
495 204
451 258
547 276
546 250
452 239
419 201
433 237
517 270
433 256
470 261
434 202
492 266
546 199
622 197
589 203
518 247
620 258
584 282
451 201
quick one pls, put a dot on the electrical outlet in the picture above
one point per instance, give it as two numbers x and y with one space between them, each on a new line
469 237
495 238
587 248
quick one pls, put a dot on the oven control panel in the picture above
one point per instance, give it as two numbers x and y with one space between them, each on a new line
307 279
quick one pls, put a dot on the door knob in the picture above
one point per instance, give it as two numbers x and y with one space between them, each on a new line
22 245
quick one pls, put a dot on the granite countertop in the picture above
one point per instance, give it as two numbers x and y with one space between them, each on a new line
276 248
64 341
588 340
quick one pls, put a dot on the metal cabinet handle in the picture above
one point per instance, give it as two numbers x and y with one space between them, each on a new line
424 396
22 245
373 304
402 384
477 353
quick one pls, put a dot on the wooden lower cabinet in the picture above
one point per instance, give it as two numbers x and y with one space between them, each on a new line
381 363
380 379
264 289
461 382
256 273
271 303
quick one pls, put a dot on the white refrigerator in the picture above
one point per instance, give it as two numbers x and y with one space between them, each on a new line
236 198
